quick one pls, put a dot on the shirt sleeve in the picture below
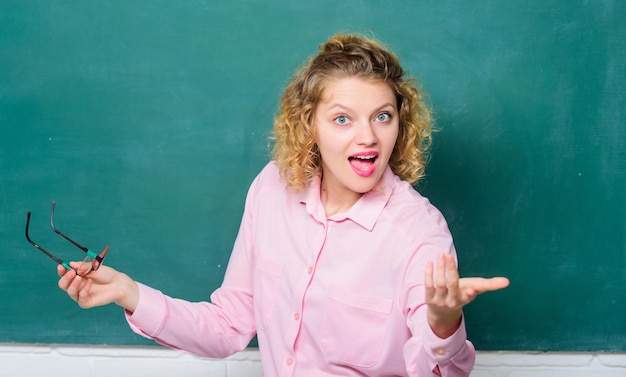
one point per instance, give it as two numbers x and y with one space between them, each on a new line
216 329
425 353
433 356
200 328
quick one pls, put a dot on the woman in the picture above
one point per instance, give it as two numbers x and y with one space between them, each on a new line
340 267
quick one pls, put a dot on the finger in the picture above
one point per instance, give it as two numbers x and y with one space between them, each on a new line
452 273
61 270
74 287
482 285
440 278
441 286
84 295
493 284
66 280
428 280
452 278
498 283
75 265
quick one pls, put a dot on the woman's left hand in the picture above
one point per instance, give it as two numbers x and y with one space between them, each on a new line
446 294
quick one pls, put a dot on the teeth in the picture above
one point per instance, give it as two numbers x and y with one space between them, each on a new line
365 157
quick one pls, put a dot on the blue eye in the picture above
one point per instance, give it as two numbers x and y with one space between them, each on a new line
383 117
342 120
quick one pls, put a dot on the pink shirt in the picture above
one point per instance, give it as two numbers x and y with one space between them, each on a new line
338 296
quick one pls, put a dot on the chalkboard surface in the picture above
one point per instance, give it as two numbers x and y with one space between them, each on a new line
147 120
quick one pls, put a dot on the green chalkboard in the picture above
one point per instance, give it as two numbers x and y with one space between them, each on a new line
147 120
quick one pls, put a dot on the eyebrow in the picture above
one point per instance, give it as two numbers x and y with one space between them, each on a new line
348 108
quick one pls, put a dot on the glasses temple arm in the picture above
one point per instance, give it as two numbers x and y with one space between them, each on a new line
83 248
59 261
99 258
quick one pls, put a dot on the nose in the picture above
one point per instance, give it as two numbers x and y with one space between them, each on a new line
366 134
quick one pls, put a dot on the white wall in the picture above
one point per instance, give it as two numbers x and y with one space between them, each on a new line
25 360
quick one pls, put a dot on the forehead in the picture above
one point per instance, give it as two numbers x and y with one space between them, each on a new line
350 90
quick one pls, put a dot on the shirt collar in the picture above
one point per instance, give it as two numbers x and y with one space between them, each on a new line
364 212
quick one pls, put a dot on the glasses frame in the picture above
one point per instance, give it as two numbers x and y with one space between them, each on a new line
92 260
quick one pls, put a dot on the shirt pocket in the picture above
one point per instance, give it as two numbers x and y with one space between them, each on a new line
354 327
267 276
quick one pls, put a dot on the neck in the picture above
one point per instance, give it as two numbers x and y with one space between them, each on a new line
335 201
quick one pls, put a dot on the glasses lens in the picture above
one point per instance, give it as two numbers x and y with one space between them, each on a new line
86 266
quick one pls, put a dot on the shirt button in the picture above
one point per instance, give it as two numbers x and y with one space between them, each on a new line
310 270
289 362
440 351
296 316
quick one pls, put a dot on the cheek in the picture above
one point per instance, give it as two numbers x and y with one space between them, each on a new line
391 138
330 141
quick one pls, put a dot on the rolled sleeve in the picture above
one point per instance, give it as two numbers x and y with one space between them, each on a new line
450 357
149 317
444 350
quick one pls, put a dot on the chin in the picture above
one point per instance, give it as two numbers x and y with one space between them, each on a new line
364 187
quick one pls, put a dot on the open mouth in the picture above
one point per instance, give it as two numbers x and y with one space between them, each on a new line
363 164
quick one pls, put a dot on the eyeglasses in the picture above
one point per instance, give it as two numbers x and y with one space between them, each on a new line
91 262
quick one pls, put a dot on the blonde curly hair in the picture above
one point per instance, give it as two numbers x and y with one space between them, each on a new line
348 55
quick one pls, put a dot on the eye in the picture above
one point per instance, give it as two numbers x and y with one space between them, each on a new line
342 120
383 117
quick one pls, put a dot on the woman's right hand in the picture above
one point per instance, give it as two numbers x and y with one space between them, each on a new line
100 287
